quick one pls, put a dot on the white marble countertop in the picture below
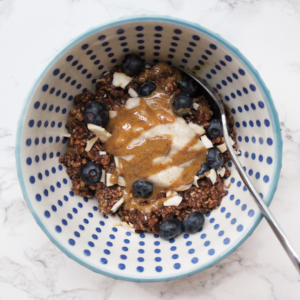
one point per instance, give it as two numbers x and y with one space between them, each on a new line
32 32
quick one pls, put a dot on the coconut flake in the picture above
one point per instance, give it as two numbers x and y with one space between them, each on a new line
145 217
132 103
237 152
117 205
117 163
147 66
221 172
223 147
195 106
90 144
102 152
206 142
115 220
173 201
132 93
112 114
108 178
66 135
197 128
121 181
102 176
128 227
195 182
100 132
212 175
121 80
171 194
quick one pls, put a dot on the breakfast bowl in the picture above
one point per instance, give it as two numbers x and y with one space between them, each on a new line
73 223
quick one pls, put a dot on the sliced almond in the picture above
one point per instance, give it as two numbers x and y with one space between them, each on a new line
197 128
66 135
121 181
212 175
173 201
112 114
195 106
117 205
115 220
221 172
100 132
132 93
121 80
90 144
132 103
206 142
100 80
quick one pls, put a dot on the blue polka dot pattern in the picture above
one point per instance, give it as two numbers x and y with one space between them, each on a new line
75 219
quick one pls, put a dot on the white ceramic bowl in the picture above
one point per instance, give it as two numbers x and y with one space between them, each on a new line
72 222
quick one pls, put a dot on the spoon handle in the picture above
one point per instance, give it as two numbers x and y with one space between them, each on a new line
260 203
258 200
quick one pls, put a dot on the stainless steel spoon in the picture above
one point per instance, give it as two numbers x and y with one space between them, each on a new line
258 200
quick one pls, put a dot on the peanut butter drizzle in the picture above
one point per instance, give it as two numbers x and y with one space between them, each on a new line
128 125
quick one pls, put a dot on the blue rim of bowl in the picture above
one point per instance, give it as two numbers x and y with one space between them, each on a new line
269 104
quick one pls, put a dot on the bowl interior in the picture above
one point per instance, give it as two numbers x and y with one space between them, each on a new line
73 222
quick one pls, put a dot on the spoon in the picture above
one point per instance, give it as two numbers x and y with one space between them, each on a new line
258 200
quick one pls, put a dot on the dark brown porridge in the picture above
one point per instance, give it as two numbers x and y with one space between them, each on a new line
150 147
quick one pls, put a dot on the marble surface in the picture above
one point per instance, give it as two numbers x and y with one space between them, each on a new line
32 32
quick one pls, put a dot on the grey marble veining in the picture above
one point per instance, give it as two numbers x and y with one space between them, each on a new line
32 32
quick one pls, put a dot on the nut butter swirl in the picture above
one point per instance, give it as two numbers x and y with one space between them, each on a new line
152 143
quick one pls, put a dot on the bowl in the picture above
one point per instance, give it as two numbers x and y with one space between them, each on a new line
72 223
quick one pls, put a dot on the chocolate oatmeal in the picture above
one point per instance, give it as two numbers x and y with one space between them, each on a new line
147 144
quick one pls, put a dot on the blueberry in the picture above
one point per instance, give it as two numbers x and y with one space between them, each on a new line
146 89
142 188
214 129
203 170
182 104
96 113
188 85
214 158
170 228
132 64
193 222
90 173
